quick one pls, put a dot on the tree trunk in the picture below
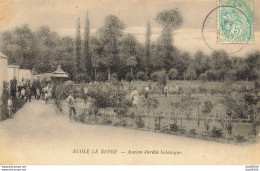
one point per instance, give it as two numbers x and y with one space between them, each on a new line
108 74
132 72
95 74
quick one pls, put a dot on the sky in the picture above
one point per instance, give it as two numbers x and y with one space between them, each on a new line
61 16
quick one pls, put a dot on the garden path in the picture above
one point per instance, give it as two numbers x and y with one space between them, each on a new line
37 135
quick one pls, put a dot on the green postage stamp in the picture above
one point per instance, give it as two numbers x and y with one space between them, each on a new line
235 21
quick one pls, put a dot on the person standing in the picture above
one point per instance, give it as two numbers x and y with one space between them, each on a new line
38 93
28 94
85 94
134 97
146 92
71 104
10 106
23 93
165 90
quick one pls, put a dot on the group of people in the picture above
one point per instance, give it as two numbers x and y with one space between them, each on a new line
26 92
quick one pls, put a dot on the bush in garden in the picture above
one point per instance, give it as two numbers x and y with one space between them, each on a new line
206 110
193 132
173 74
82 77
165 129
141 76
174 127
4 101
213 92
205 133
202 90
189 74
82 117
132 115
17 104
106 120
240 138
216 132
129 77
211 75
182 130
203 77
160 77
101 76
122 123
150 103
139 122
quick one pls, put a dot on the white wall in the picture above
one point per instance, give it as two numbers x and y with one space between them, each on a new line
24 74
3 72
12 72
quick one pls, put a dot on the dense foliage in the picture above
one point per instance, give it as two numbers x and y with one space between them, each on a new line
111 50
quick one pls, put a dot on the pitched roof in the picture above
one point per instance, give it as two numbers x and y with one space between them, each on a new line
59 73
3 55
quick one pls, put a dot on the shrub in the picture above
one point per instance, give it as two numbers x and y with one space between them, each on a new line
211 75
160 77
205 133
4 101
141 76
18 103
173 73
216 132
165 129
82 77
82 117
193 132
121 123
139 122
106 121
101 76
174 127
203 77
183 130
202 90
129 77
240 138
189 74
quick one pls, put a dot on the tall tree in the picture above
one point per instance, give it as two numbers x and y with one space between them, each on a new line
148 48
169 20
78 47
110 34
20 45
87 55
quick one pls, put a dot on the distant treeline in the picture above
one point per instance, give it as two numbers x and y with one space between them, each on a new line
113 53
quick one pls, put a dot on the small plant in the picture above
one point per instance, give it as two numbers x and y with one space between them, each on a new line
205 133
132 115
182 130
193 132
174 127
165 129
106 121
216 132
139 122
122 123
240 138
82 117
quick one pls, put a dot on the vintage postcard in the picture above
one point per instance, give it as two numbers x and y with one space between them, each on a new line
129 82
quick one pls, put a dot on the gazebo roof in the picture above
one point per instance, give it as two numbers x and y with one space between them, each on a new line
59 73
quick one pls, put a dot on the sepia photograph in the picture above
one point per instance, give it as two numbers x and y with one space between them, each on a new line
129 82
